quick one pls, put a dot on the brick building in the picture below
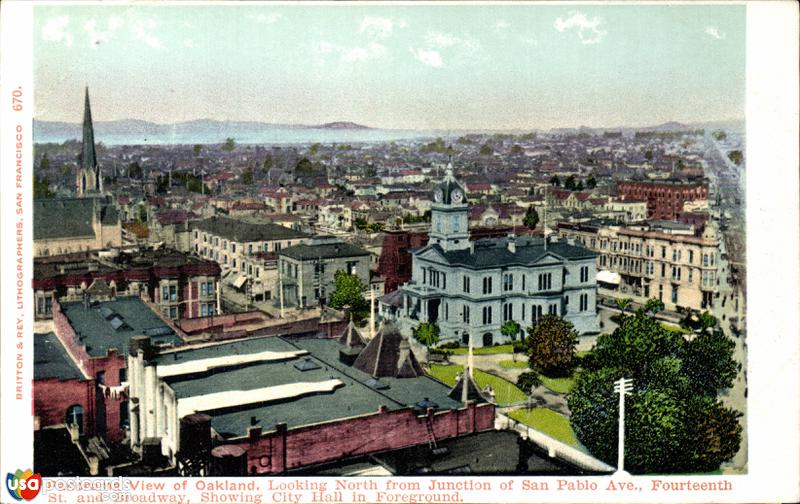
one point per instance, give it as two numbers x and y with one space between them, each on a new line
665 200
180 285
280 403
394 264
94 336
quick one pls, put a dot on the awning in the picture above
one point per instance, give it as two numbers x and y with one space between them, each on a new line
240 280
608 277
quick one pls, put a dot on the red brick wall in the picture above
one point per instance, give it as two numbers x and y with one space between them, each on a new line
52 398
664 201
381 431
110 364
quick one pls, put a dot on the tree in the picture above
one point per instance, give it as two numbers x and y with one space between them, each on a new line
229 144
510 329
623 304
314 149
554 181
648 154
671 425
134 170
44 163
591 183
569 184
516 150
304 167
486 150
531 219
736 157
528 381
708 363
142 213
579 186
427 333
196 149
719 135
247 176
268 162
41 188
551 346
348 293
653 306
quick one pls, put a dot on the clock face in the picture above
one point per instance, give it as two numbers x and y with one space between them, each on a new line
438 195
457 196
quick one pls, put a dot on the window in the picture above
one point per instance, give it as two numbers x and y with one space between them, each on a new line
487 285
74 416
552 309
689 278
123 375
249 248
508 282
101 378
465 283
545 281
224 244
123 414
584 274
173 293
508 312
565 305
173 312
663 270
536 313
465 315
351 267
487 315
446 311
164 293
196 234
233 248
523 281
584 302
663 252
674 296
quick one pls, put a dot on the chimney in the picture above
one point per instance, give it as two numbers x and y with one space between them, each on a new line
472 246
512 243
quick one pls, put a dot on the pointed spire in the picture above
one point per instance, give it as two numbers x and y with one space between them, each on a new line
89 157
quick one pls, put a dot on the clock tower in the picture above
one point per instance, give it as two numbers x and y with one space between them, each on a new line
449 214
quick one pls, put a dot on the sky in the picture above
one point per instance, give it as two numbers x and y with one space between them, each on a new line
393 66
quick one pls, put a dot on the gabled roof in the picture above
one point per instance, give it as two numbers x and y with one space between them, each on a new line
389 354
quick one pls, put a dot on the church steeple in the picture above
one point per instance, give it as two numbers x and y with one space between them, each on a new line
89 158
89 179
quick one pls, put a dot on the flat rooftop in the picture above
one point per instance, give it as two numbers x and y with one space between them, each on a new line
351 397
111 324
50 359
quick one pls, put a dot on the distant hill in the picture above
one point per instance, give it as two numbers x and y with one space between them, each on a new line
339 125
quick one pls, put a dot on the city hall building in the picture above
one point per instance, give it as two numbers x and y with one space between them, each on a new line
470 288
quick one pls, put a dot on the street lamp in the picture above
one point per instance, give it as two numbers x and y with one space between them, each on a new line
623 387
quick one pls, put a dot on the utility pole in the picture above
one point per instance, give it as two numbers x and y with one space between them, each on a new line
371 313
623 387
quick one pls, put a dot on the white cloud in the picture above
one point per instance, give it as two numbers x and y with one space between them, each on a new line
55 30
97 36
270 18
589 30
529 40
713 31
441 40
378 27
371 51
142 30
428 57
502 24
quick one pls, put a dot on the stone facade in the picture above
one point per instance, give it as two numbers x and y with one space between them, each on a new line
471 288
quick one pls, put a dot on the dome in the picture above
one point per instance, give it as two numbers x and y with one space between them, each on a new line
449 191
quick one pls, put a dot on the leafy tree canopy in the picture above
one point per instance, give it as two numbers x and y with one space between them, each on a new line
427 333
551 346
229 144
531 219
349 293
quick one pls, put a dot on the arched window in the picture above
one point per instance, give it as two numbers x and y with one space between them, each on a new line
75 416
487 340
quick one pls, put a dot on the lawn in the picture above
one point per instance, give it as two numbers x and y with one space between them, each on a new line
520 364
499 349
559 385
677 329
505 392
548 422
